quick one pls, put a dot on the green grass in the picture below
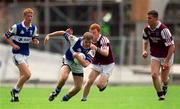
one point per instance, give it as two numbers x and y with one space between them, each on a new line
121 97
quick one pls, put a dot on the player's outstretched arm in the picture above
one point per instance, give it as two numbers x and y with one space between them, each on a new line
53 34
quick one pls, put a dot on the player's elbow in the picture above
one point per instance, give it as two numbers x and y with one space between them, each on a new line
105 53
85 64
174 48
4 37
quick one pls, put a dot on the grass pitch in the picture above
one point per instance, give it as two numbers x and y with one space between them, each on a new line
121 97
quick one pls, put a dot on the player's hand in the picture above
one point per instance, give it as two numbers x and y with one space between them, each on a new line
69 30
75 54
166 64
46 39
35 41
145 54
93 47
16 47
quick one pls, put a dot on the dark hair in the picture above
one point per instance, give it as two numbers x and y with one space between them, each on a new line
154 13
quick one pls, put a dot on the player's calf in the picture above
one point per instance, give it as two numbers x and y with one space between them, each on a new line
165 89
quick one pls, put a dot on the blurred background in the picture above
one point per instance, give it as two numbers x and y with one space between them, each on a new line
122 22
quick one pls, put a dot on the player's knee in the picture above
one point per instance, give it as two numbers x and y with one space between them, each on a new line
100 85
27 76
155 75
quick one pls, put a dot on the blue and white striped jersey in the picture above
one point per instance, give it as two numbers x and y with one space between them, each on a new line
76 46
22 36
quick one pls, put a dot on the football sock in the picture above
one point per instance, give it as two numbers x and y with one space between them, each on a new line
16 88
57 90
165 88
66 97
161 96
83 98
160 93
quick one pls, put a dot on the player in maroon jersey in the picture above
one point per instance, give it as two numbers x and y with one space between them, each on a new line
161 50
102 64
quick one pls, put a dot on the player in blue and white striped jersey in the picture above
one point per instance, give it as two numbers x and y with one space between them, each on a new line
22 34
77 45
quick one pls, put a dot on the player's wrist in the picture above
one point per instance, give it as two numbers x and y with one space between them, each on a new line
48 36
98 49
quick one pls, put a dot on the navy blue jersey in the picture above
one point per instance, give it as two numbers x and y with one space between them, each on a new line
22 36
76 46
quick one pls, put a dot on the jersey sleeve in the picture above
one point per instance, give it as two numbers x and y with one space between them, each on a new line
71 38
11 31
166 35
89 56
145 36
105 42
35 35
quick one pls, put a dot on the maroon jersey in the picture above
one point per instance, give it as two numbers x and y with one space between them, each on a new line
160 39
100 59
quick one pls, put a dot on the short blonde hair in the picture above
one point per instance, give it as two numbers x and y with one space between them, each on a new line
95 26
28 10
88 36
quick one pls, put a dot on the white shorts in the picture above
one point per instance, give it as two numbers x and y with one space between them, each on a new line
103 69
19 59
75 67
161 60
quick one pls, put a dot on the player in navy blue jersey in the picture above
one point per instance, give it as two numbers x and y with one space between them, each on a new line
102 64
22 34
161 50
77 45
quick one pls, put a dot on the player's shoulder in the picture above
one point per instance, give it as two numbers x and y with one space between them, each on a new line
104 39
14 26
33 25
162 26
146 27
18 24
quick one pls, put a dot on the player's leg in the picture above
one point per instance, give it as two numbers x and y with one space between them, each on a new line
78 81
91 78
165 78
25 74
155 68
64 73
104 76
102 81
165 75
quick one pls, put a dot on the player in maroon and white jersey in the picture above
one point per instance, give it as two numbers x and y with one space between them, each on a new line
161 50
102 64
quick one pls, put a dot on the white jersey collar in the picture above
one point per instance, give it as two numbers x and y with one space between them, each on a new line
158 25
24 25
